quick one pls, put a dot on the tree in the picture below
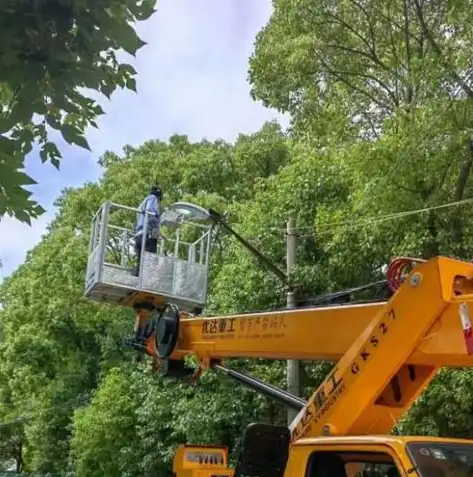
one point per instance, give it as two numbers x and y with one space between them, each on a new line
388 85
379 56
60 349
361 150
54 345
86 400
391 75
107 428
128 421
51 54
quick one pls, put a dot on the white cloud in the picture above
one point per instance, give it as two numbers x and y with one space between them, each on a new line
192 79
17 238
192 75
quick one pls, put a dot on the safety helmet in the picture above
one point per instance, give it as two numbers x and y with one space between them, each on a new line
156 191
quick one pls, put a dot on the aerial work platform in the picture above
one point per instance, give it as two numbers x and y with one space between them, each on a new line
177 272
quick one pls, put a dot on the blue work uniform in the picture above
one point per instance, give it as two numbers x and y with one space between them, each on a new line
150 205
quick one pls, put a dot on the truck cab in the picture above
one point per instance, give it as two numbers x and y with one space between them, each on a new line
380 456
267 451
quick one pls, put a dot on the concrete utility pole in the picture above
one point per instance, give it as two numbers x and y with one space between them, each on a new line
293 385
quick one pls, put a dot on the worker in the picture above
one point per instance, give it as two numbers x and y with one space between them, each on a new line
149 207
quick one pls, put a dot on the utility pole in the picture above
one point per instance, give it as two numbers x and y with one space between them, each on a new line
293 385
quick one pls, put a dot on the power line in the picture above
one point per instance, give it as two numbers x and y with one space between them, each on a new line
397 215
375 219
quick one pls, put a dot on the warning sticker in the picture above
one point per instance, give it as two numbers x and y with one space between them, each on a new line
467 328
465 316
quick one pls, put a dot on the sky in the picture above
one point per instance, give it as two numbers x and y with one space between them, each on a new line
192 79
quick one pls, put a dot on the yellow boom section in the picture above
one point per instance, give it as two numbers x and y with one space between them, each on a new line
387 353
323 333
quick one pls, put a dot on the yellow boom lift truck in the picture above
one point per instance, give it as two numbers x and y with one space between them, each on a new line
387 352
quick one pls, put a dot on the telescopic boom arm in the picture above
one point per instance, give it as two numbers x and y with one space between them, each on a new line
387 353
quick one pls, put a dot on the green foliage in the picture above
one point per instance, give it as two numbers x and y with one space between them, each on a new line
59 347
380 125
342 67
51 53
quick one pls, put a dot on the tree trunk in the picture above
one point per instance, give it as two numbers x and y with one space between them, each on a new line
432 248
465 171
19 459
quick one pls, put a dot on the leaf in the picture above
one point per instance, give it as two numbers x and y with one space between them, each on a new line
43 154
127 70
22 179
107 89
49 151
144 9
7 147
53 120
128 39
131 84
23 216
37 210
49 57
73 136
19 113
55 162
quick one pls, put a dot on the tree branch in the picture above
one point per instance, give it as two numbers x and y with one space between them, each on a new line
407 39
366 76
371 30
339 75
372 49
350 50
437 50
